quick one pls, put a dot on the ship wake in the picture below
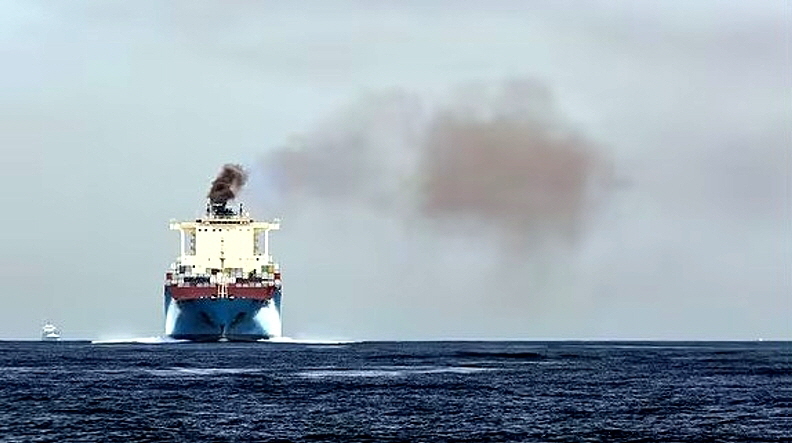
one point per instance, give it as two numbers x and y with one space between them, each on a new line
301 341
164 340
138 340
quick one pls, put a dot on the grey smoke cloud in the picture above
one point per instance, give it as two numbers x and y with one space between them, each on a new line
505 162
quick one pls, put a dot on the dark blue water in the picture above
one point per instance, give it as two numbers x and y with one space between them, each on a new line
410 392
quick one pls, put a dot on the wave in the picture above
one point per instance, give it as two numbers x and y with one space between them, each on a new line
515 355
391 371
196 372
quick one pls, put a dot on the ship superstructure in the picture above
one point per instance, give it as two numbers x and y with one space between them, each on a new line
225 284
50 332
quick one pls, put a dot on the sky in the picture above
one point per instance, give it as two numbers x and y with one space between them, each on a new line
115 117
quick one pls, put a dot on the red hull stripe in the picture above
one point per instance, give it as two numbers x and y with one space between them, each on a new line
193 292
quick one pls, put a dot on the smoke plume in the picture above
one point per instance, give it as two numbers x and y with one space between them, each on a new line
510 172
467 205
227 184
494 156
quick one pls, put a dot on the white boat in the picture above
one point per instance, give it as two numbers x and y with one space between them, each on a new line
50 332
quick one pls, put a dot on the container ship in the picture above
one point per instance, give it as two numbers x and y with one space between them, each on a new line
225 285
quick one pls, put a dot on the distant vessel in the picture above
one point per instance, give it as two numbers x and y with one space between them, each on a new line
224 285
50 332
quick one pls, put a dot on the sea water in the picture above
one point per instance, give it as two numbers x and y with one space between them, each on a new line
396 392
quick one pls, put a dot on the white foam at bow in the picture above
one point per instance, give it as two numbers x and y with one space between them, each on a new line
170 317
269 319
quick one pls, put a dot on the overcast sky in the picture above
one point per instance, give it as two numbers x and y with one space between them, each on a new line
115 117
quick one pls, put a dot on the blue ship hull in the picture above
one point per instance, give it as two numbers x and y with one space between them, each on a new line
232 319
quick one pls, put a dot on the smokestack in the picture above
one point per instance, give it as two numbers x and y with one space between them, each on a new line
227 184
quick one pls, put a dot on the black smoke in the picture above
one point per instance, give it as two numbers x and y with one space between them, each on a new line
227 184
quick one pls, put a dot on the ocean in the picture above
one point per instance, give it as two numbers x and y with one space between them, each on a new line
397 392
